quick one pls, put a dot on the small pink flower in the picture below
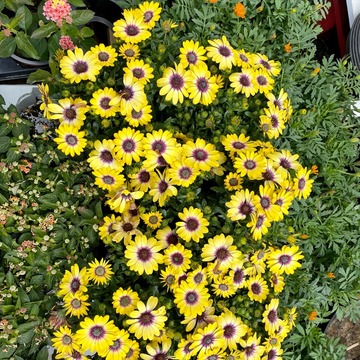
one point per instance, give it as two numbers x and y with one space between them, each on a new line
66 43
7 32
57 11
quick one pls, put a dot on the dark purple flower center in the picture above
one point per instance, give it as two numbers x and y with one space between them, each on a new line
202 84
71 140
265 202
100 271
244 80
256 288
238 276
268 175
125 301
177 81
177 259
274 121
284 259
192 224
70 114
243 58
97 332
75 285
191 297
103 56
224 51
265 64
163 186
238 145
136 114
200 155
128 145
207 340
250 350
301 183
245 208
129 52
75 303
191 57
158 146
104 103
233 182
261 79
146 318
185 173
229 331
116 345
144 254
127 93
144 176
127 227
172 239
132 30
66 340
271 354
250 164
198 278
222 254
161 356
80 67
272 316
148 15
153 219
106 156
285 163
138 73
108 180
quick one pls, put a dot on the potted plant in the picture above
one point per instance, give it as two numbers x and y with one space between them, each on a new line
34 30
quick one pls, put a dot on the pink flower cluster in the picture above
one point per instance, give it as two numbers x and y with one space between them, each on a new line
57 11
66 43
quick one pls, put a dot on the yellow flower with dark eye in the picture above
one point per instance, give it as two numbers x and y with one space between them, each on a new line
99 271
152 219
70 140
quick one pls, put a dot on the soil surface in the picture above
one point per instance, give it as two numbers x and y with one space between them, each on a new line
349 334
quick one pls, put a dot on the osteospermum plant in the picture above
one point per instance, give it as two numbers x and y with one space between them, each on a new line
179 140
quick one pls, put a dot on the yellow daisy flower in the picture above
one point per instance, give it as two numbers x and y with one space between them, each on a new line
192 53
70 140
177 257
133 96
105 102
108 179
76 304
125 300
99 271
257 288
73 281
174 83
193 225
139 70
77 66
106 54
69 111
131 29
244 82
152 219
143 255
302 183
221 52
151 13
129 51
128 145
104 156
96 334
64 340
146 322
284 260
162 188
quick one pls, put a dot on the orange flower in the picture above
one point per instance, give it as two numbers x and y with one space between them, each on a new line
213 1
314 169
304 236
331 275
316 70
287 47
239 10
313 315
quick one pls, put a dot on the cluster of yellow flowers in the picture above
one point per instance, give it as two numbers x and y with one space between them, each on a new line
204 272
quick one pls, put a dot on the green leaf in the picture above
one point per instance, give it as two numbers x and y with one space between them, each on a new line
26 17
82 17
44 31
9 279
4 144
24 297
7 309
23 43
26 337
13 155
39 75
43 354
21 129
86 32
5 129
16 20
77 3
2 5
7 47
